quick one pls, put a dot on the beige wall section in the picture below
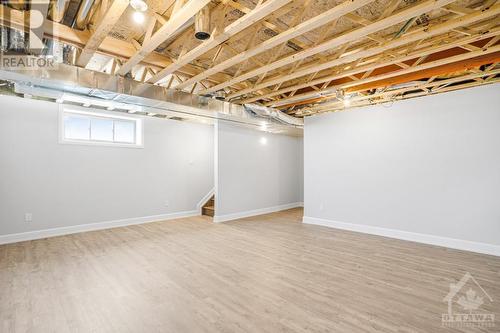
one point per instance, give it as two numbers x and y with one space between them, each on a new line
66 185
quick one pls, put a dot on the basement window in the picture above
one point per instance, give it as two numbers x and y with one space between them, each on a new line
83 127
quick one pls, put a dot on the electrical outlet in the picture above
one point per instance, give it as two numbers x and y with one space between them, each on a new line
28 217
166 203
321 206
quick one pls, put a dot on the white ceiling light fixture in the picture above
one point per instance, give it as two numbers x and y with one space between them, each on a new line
139 6
138 17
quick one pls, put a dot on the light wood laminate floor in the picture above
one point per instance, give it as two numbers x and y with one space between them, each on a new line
269 273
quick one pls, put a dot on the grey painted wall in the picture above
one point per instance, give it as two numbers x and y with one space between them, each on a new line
66 185
428 165
253 175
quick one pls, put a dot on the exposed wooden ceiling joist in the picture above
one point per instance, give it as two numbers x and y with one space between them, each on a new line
407 39
356 34
428 69
417 89
259 12
267 22
289 54
453 64
108 20
176 21
113 47
482 34
293 32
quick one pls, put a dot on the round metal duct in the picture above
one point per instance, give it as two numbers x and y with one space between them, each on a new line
202 24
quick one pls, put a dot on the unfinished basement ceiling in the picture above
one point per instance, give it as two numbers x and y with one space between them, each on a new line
363 51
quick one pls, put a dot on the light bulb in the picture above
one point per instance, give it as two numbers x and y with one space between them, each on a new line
139 5
138 17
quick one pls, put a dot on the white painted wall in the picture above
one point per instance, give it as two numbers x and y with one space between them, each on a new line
428 166
66 185
255 178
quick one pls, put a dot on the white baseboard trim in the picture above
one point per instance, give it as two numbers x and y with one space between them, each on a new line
32 235
260 211
200 204
453 243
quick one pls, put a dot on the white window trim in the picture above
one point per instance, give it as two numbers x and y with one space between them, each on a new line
66 109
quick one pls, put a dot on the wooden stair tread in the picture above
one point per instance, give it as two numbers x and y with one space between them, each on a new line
209 207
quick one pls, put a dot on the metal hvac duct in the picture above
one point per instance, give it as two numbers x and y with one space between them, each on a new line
114 89
57 9
263 111
12 40
202 24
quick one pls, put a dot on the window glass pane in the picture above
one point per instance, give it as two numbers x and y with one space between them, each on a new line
76 127
125 131
101 129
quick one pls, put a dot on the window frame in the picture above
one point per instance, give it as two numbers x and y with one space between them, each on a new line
65 110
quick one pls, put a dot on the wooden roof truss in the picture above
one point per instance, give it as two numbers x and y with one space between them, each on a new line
295 55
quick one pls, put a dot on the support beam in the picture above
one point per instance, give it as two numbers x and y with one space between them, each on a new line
433 68
242 23
178 19
399 17
106 24
293 32
445 66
